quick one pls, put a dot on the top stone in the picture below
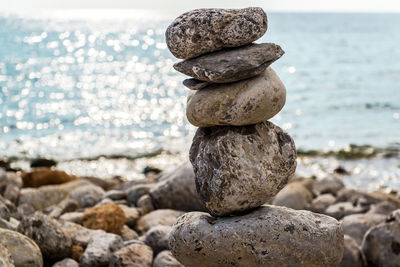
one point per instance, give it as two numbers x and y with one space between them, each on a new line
202 31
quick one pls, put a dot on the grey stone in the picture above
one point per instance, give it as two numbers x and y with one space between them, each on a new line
75 217
100 250
157 238
145 204
48 195
321 202
10 185
352 256
4 211
23 250
133 255
87 196
356 225
240 168
47 233
66 263
177 191
194 84
294 195
245 102
128 234
158 217
80 235
206 30
381 244
166 259
5 258
342 209
366 198
267 236
384 207
136 191
132 215
7 225
67 205
231 65
330 185
115 194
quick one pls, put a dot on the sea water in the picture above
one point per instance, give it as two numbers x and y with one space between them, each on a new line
88 83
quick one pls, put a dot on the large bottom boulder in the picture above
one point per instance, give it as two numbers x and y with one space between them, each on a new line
267 236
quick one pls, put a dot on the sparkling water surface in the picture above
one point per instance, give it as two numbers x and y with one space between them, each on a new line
88 83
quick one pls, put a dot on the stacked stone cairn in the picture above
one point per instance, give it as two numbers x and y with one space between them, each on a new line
240 159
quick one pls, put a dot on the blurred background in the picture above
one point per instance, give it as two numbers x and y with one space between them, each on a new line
91 85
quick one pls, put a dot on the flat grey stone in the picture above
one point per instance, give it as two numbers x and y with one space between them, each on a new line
240 168
194 84
231 65
209 29
267 236
245 102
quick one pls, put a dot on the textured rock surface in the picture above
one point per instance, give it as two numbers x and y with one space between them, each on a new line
239 168
75 217
66 263
136 191
158 217
80 235
5 257
381 244
268 236
231 65
48 235
145 204
87 196
194 84
206 30
128 234
109 217
23 250
166 259
294 195
100 250
133 255
352 256
132 215
10 185
45 176
245 102
177 191
356 225
157 238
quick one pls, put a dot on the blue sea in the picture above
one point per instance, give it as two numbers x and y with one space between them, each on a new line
76 84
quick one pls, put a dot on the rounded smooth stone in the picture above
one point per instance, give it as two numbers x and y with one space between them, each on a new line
166 259
267 236
241 103
209 29
231 65
240 168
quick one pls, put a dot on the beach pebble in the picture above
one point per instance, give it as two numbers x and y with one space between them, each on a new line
245 102
145 204
381 244
295 195
137 255
128 234
79 235
157 238
209 29
75 217
77 252
194 84
267 236
166 259
240 168
100 250
5 257
48 235
356 225
49 195
384 207
177 191
4 211
352 256
158 217
115 194
136 191
10 185
45 176
132 215
321 202
342 209
42 162
23 250
66 263
330 185
231 65
109 217
87 196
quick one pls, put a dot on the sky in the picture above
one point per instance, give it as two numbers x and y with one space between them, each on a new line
184 5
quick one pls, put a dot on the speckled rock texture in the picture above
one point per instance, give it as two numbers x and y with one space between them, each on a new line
66 263
206 30
158 217
166 259
240 168
381 244
5 257
23 250
245 102
267 236
177 191
53 242
138 255
109 217
231 65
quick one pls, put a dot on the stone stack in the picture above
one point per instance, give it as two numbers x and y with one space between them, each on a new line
240 159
